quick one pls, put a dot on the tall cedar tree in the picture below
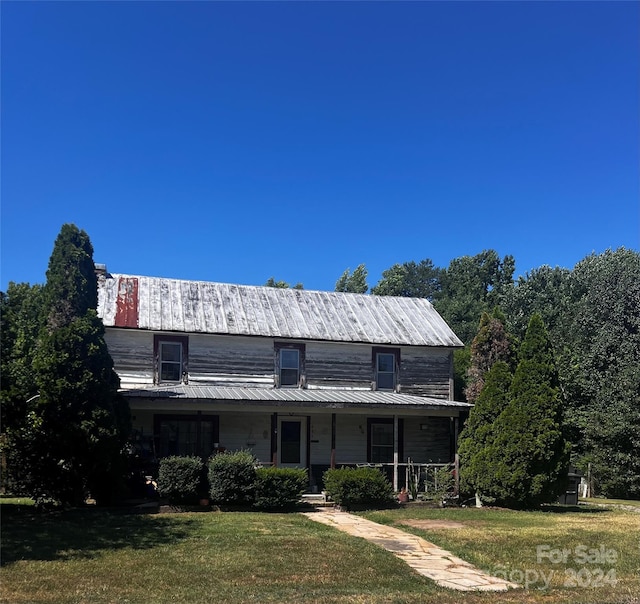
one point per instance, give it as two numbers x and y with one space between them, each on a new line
479 433
80 422
492 343
528 460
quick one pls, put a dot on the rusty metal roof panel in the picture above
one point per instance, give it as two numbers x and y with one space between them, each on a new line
221 308
293 396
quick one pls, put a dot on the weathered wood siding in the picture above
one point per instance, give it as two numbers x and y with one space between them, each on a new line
331 365
249 361
229 361
426 372
132 354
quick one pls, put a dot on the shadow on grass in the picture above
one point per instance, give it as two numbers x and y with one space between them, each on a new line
81 534
564 509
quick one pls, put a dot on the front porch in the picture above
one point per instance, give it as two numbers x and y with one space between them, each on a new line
327 432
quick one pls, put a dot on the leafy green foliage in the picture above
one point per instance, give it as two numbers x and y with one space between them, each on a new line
70 440
279 488
21 322
181 479
271 282
491 344
410 279
528 459
603 360
470 286
72 285
353 282
479 433
232 477
355 487
594 323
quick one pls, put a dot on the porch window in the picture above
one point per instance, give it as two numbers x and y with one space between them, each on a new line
385 367
380 439
186 435
289 365
171 358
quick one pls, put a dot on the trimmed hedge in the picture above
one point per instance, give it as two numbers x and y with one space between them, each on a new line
279 488
232 477
180 479
359 487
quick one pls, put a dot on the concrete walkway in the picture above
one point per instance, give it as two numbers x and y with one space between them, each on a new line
424 557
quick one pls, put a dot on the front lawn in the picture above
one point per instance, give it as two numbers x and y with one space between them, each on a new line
92 556
562 554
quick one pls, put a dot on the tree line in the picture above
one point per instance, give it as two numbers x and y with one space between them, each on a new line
591 314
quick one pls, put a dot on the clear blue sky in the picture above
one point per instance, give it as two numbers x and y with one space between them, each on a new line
237 141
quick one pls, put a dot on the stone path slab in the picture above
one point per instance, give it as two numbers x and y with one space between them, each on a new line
426 558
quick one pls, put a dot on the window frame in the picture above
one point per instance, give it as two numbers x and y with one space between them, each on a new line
158 341
373 421
376 351
288 346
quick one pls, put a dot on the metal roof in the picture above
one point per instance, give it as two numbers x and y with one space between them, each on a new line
220 308
323 398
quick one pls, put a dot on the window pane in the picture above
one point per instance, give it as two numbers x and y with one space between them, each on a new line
289 377
381 443
386 363
385 381
170 372
289 359
382 434
171 352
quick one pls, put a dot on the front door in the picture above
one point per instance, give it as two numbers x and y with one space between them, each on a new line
292 445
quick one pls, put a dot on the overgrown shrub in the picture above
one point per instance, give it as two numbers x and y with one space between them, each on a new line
232 477
279 488
356 487
180 479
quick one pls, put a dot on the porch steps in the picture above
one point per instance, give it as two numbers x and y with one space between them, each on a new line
317 500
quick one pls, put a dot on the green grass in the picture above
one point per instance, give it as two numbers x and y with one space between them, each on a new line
95 557
91 556
520 544
599 501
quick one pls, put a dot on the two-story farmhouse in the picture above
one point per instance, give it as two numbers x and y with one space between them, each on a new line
302 378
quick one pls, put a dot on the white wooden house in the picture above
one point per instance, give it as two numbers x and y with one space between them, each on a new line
302 378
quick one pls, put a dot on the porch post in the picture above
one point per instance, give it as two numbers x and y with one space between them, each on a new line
395 452
274 439
333 441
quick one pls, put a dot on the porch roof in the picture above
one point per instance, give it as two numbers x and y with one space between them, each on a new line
314 398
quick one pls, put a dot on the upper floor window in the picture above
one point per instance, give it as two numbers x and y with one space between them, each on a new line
386 362
171 355
289 364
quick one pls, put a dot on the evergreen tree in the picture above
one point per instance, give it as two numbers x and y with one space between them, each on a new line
353 282
491 344
478 435
73 438
527 461
271 282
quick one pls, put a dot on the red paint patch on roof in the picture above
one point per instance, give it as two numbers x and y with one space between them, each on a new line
127 302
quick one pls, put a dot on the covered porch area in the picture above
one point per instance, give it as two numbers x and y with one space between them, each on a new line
312 429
